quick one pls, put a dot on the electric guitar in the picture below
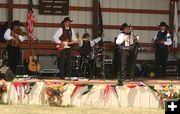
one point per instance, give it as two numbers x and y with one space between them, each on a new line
64 45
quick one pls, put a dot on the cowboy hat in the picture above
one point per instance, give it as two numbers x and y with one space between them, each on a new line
123 26
163 24
66 19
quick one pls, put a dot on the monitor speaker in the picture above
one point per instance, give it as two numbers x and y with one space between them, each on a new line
7 74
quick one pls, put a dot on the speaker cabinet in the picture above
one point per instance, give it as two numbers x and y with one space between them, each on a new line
7 74
48 63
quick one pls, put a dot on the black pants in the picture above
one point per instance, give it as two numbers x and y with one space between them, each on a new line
88 66
128 62
117 61
65 63
13 57
161 56
133 58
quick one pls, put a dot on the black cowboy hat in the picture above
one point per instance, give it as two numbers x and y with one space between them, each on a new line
16 23
163 24
66 19
123 26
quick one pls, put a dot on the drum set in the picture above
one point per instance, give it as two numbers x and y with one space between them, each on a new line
89 66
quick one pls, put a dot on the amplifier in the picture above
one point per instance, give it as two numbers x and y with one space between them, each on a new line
48 63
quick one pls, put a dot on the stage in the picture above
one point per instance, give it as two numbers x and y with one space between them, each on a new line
94 93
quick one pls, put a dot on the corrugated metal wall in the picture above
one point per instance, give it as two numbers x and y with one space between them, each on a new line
42 33
109 18
134 18
3 12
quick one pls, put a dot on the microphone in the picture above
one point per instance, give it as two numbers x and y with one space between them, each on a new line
130 28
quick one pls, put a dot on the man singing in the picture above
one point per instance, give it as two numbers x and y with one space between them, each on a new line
14 36
126 48
162 40
64 36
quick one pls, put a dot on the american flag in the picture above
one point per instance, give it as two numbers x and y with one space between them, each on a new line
31 21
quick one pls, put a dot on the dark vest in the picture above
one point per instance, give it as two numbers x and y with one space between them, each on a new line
161 36
86 48
66 35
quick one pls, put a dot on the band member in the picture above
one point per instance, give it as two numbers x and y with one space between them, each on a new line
86 50
65 35
14 35
162 40
126 47
86 44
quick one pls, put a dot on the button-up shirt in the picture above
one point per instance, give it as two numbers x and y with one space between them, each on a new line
59 32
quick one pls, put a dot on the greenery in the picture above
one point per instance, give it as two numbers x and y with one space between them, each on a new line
169 92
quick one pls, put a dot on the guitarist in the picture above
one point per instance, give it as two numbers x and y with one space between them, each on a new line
161 40
14 35
65 34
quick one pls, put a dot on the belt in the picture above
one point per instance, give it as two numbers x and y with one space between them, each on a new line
126 47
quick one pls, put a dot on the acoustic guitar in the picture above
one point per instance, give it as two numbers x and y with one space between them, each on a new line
33 65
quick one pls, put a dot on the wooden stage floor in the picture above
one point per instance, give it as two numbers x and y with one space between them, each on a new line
100 81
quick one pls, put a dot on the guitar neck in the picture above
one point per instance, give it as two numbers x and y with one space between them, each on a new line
72 42
31 49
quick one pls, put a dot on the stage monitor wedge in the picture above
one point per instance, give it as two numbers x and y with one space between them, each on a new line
7 74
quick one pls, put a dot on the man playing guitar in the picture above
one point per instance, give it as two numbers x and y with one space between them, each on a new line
63 37
14 36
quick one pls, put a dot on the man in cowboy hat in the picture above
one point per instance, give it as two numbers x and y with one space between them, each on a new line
161 40
62 35
124 43
14 37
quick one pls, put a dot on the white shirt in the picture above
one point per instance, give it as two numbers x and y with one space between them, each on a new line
59 32
7 36
168 42
92 42
121 38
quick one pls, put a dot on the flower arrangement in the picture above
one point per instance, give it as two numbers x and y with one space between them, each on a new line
55 93
169 92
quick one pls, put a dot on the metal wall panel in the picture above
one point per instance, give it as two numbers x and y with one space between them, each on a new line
79 17
109 18
136 4
134 19
3 14
72 2
47 33
4 1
